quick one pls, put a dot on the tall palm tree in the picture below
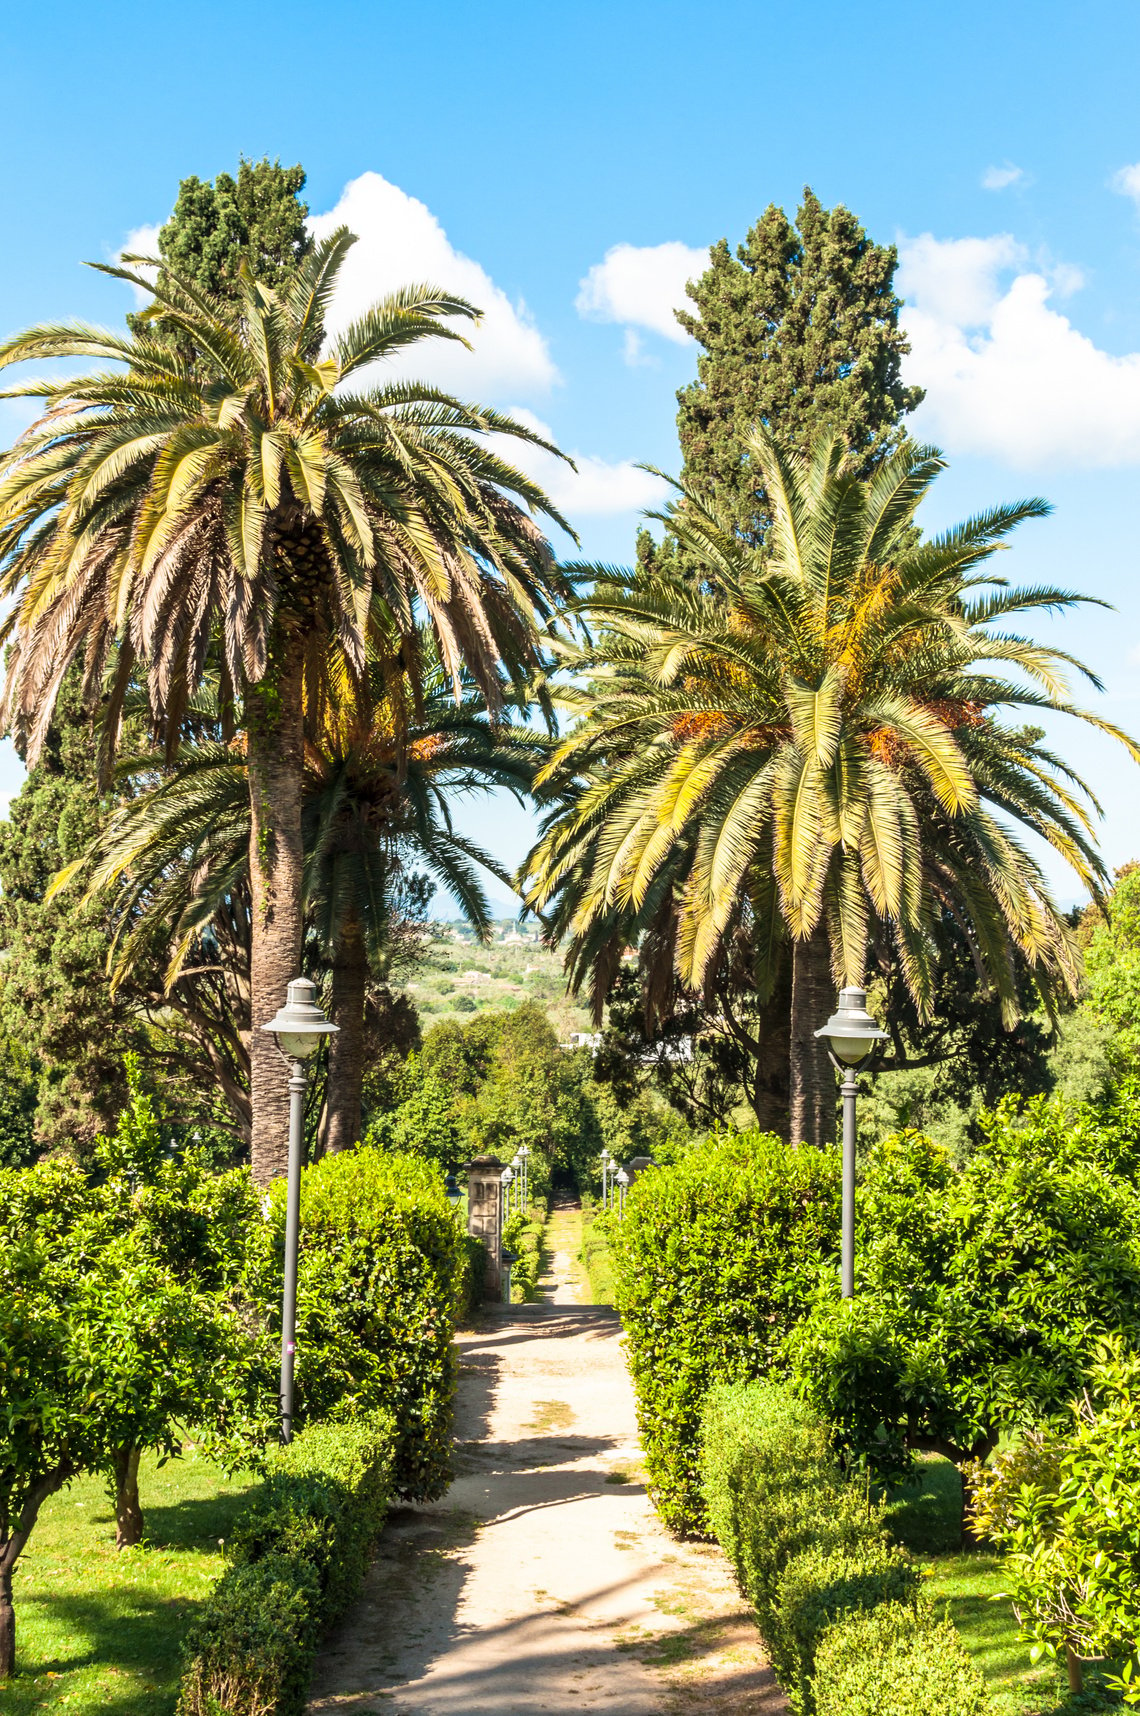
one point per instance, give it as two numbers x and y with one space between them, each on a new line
807 744
230 485
380 778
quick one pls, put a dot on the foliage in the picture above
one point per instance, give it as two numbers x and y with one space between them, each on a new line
773 1488
19 1095
382 1279
716 1259
1112 971
818 1587
423 1121
893 1661
799 329
257 218
594 1255
980 1294
796 749
297 1558
103 1346
523 1232
1067 1512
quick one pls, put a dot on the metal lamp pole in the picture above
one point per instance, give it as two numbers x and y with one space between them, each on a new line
852 1038
524 1156
623 1182
299 1028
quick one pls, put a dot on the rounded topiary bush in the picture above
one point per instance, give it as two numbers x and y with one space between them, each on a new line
816 1588
896 1660
714 1262
381 1283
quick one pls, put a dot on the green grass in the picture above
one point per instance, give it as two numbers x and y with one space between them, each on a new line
967 1587
594 1257
97 1630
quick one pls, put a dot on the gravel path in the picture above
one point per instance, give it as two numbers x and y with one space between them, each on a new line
542 1581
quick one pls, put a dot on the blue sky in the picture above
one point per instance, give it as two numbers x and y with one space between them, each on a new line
559 164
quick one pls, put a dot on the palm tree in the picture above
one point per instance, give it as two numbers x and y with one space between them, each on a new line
228 488
380 777
806 745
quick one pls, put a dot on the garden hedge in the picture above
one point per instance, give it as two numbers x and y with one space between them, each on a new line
714 1262
297 1558
896 1660
810 1553
382 1282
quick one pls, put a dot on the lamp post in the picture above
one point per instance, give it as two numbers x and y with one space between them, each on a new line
623 1182
852 1037
524 1156
517 1170
507 1177
451 1189
299 1028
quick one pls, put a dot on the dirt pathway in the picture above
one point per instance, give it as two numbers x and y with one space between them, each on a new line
562 1281
542 1582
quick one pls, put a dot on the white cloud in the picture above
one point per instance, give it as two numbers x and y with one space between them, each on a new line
143 241
596 489
1000 178
1007 374
1127 182
401 242
642 286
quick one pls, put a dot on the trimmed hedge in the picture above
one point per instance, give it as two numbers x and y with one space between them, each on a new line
523 1234
820 1586
896 1661
715 1261
811 1555
773 1489
594 1255
297 1558
382 1282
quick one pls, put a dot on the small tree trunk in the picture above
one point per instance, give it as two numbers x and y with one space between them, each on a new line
7 1622
276 861
128 1510
343 1104
812 1079
1075 1672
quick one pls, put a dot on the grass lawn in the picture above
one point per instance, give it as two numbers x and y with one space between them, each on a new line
100 1631
967 1586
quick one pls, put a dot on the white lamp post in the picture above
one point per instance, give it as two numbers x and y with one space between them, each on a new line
623 1182
852 1037
524 1156
299 1026
507 1178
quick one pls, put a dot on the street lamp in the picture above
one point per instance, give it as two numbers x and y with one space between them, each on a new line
507 1178
451 1189
299 1028
623 1182
524 1157
852 1037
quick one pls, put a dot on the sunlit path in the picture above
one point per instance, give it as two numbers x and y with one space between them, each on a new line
542 1581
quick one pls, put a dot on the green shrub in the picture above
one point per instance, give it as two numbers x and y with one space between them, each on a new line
773 1489
819 1585
714 1262
297 1558
896 1660
475 1279
382 1280
594 1255
523 1234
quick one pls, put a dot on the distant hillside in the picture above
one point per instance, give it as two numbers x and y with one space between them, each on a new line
461 977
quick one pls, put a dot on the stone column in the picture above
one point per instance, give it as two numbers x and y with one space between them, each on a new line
484 1199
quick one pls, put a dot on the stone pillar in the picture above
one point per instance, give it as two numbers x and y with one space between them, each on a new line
484 1200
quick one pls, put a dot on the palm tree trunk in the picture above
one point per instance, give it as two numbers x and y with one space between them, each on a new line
346 1048
769 1092
128 1509
813 1097
276 858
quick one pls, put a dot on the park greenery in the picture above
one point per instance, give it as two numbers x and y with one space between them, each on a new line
271 614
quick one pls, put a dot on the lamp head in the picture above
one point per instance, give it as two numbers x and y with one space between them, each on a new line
851 1031
451 1188
507 1176
300 1025
623 1177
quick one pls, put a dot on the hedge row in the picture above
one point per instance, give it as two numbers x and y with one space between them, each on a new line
297 1558
595 1253
715 1261
523 1234
840 1609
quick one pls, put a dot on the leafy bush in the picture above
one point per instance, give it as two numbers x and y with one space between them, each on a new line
1067 1512
980 1294
523 1233
594 1255
297 1558
896 1660
716 1259
381 1282
817 1587
773 1489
